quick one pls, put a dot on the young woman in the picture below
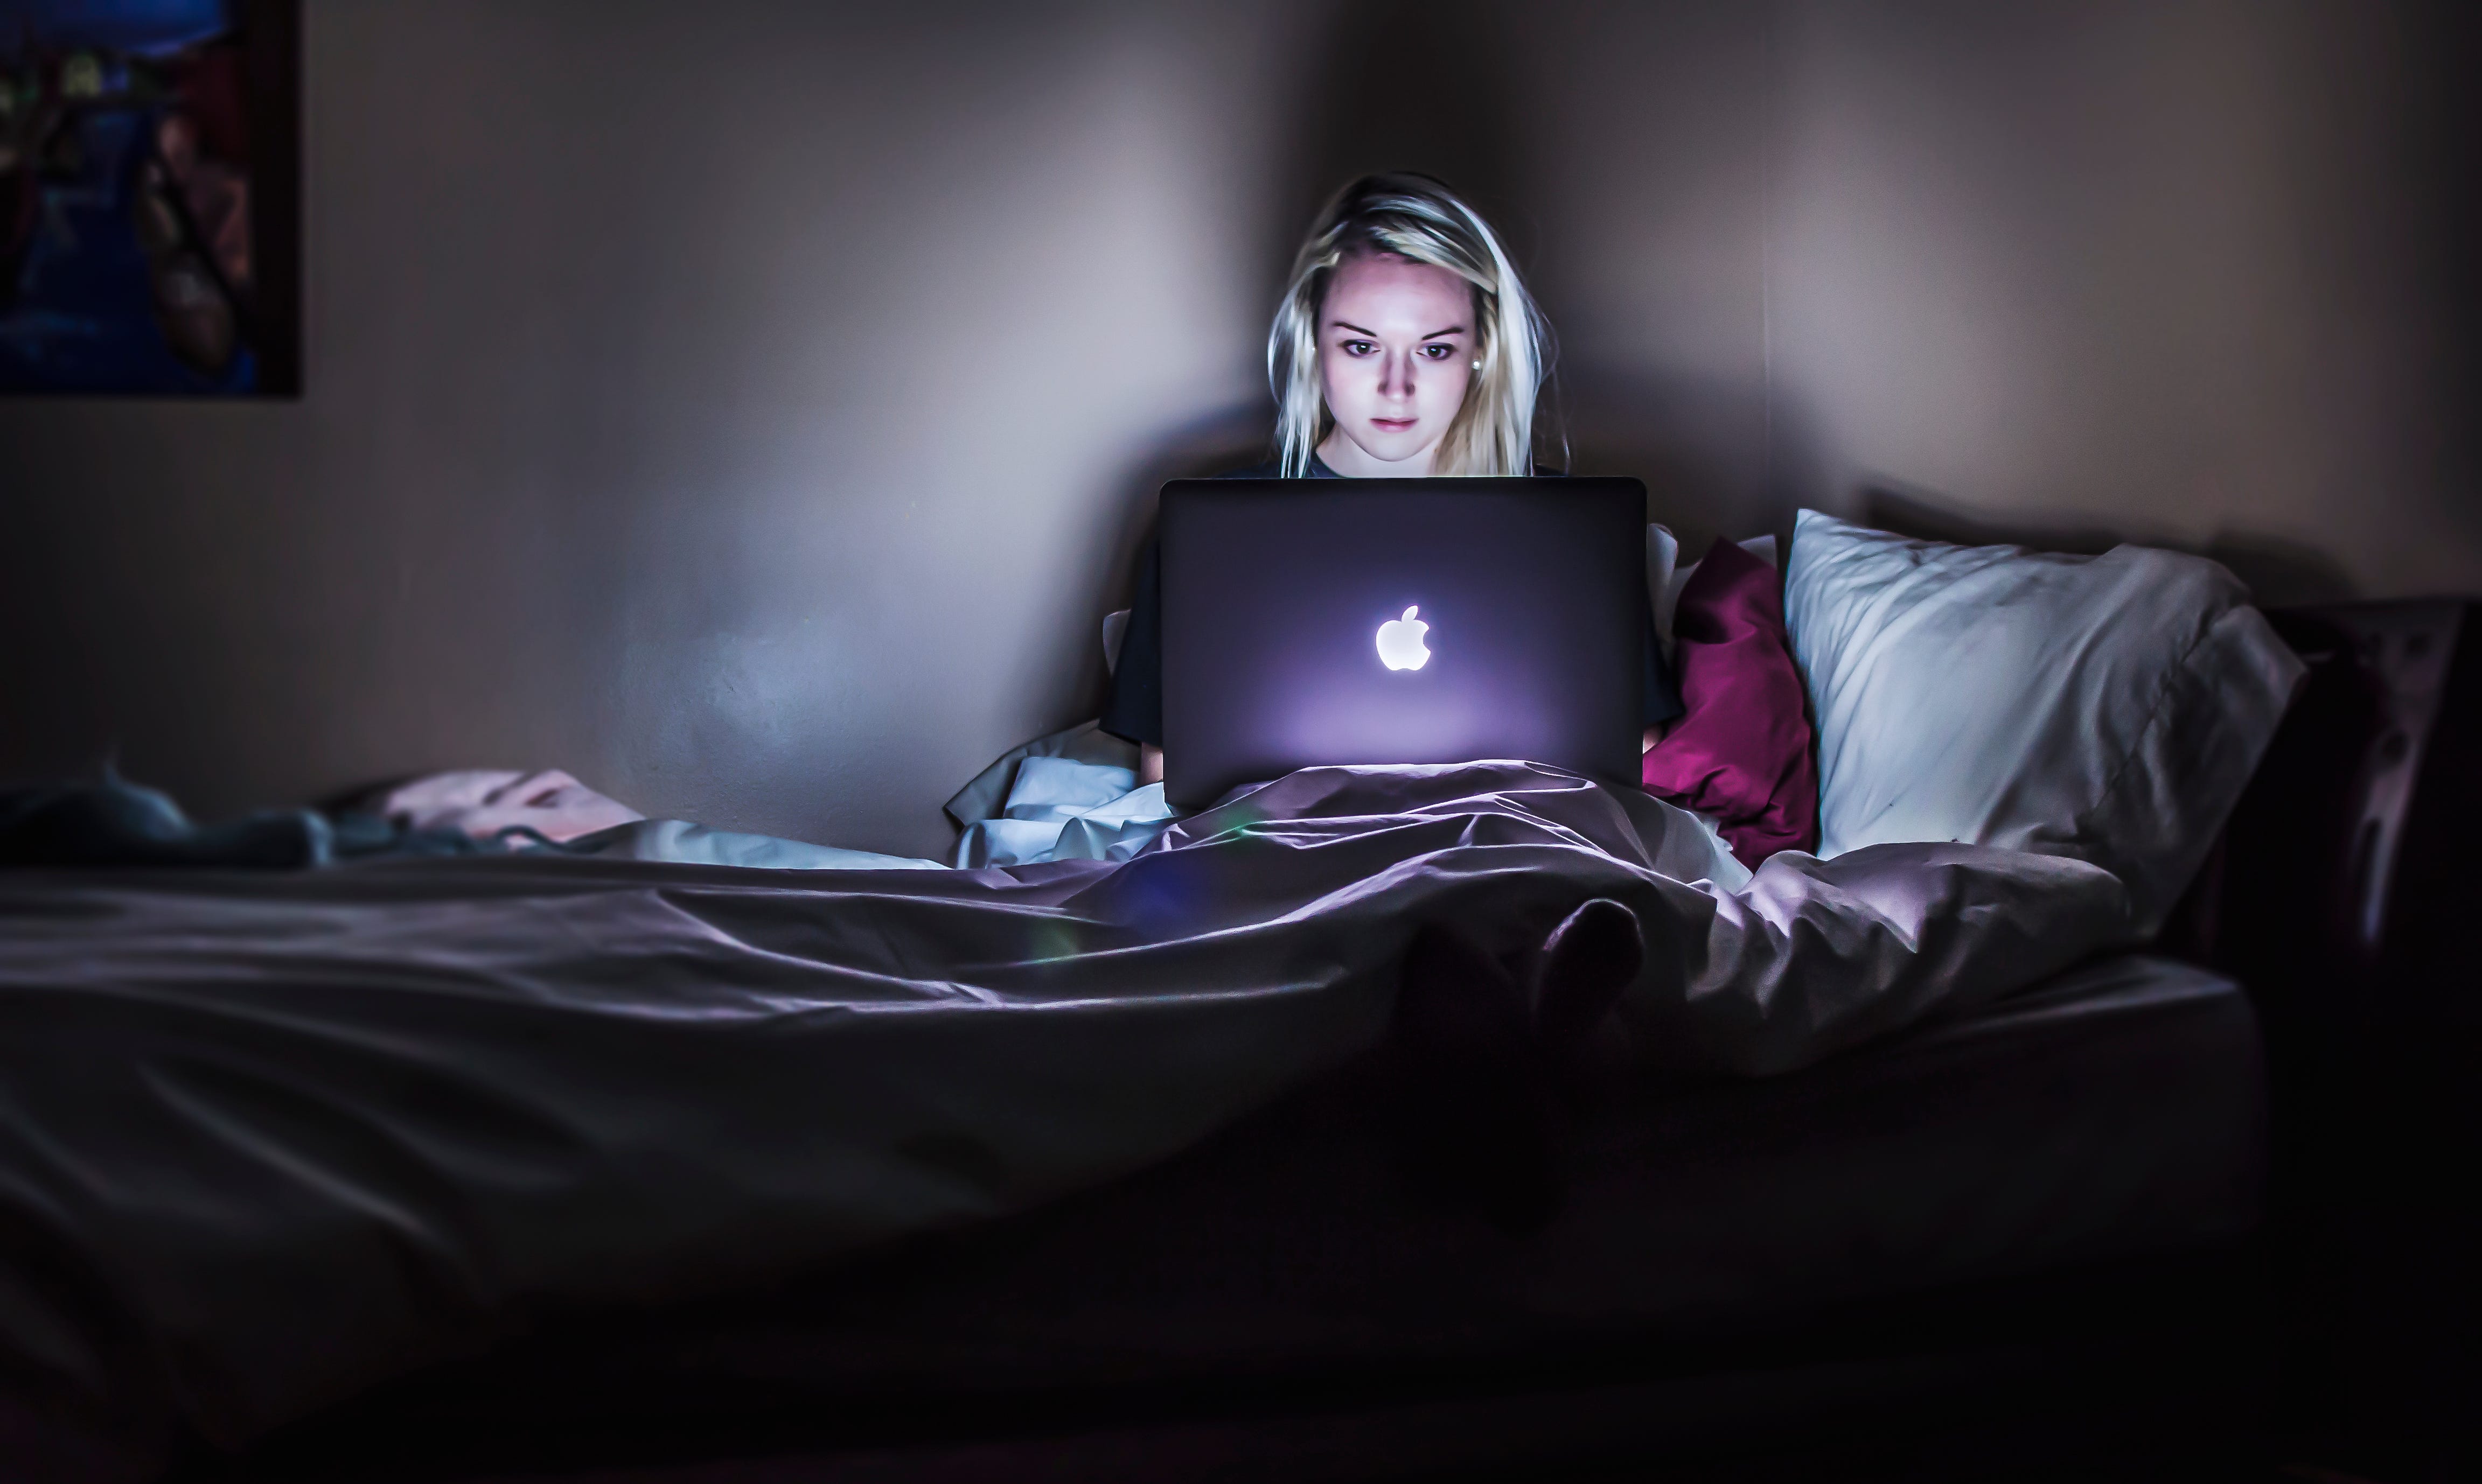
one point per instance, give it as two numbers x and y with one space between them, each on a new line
1406 347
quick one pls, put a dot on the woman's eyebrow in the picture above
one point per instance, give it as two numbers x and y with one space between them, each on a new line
1453 330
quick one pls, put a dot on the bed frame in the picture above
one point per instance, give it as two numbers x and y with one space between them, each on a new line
2353 934
2345 934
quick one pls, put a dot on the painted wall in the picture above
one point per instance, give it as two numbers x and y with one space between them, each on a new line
744 406
2198 273
752 406
1623 149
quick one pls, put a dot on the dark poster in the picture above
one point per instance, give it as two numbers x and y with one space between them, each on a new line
149 197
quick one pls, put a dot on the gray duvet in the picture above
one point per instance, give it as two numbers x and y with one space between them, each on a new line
267 1139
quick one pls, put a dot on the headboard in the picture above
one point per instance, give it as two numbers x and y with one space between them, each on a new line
2344 867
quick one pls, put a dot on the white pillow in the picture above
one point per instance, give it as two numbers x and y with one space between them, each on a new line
2105 707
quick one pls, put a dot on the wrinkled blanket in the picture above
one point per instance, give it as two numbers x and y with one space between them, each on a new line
267 1139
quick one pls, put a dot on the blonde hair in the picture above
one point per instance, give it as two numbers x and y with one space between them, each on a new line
1417 218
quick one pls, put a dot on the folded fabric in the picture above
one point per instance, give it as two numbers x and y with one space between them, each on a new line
482 802
1074 795
987 794
285 1143
1666 577
687 844
1741 753
1070 796
117 823
1054 808
1060 809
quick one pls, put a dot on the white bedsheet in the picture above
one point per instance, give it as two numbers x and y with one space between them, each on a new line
1073 796
267 1138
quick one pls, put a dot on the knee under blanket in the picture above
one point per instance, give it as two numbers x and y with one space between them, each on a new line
267 1139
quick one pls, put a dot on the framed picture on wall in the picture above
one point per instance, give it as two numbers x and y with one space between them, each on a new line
150 197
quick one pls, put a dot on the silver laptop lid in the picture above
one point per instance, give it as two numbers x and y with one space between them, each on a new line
1371 621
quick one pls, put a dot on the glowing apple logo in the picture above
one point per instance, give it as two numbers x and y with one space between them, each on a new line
1400 641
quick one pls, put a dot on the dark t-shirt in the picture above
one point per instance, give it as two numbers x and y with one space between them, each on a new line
1134 709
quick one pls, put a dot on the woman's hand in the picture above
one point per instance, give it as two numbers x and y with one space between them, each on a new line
1150 764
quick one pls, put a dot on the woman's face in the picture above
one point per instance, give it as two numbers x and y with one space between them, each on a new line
1397 341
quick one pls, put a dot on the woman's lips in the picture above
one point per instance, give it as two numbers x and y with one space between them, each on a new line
1393 423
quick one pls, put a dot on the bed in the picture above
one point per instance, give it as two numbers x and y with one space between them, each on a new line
2034 1112
2039 1227
1732 1257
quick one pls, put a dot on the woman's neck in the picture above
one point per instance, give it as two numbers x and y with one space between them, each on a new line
1354 461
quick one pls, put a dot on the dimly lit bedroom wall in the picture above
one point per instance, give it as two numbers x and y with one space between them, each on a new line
744 406
2199 273
751 406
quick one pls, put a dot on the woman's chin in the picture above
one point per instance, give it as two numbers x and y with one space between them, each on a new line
1407 451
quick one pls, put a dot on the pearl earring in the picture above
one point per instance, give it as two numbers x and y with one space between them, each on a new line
1477 365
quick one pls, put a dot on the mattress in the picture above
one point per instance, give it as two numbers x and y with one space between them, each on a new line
2115 1111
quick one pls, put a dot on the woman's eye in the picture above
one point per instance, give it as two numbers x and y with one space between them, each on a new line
1437 353
1358 347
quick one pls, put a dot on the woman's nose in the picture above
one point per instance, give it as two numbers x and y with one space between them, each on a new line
1396 376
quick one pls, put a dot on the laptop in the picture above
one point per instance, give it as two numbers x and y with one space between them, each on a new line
1376 621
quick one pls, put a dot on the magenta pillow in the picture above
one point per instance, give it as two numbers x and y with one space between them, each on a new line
1741 752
